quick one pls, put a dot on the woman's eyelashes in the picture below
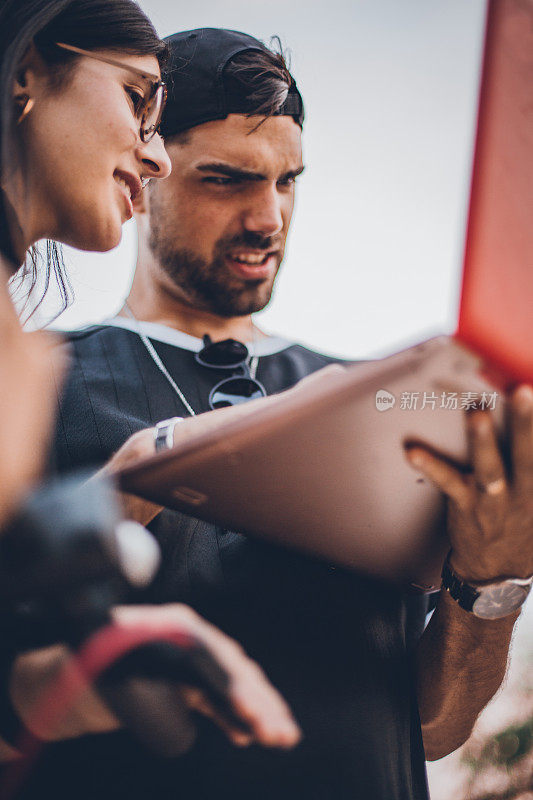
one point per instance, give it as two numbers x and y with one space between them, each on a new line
137 99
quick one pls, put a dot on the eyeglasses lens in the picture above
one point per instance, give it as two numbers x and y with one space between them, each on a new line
153 112
232 391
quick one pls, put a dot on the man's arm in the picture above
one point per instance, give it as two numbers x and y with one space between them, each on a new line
141 444
461 663
461 658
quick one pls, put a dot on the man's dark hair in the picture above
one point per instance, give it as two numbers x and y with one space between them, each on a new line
260 79
90 24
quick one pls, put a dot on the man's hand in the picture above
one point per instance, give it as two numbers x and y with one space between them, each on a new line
137 447
462 659
490 509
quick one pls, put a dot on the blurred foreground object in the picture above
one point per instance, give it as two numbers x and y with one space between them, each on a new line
66 560
28 398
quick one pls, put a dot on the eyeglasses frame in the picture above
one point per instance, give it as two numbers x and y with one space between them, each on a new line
156 82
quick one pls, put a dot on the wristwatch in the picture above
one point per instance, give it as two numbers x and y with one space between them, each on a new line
486 600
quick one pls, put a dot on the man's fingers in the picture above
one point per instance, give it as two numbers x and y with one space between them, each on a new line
445 477
521 420
485 457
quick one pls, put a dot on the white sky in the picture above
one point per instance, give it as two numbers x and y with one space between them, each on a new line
375 251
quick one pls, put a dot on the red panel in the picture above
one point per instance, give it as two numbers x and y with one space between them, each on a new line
496 316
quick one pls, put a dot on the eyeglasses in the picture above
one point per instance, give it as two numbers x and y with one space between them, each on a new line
153 104
231 355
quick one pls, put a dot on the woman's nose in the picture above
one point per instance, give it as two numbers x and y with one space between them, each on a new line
154 157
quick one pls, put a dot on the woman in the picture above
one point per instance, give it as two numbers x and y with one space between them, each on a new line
81 99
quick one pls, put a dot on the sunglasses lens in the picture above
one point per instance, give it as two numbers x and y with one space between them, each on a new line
154 112
232 391
228 354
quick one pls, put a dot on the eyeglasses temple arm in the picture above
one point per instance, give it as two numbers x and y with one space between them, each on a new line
107 60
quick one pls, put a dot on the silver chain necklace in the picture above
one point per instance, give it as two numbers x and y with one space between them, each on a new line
159 364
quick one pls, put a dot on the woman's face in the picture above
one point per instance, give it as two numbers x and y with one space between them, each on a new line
83 152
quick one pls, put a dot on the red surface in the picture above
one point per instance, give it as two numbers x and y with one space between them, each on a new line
496 315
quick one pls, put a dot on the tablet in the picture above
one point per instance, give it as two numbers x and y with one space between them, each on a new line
321 468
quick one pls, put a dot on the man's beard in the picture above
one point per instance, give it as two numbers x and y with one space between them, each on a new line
208 284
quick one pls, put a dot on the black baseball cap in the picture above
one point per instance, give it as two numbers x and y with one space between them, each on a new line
194 77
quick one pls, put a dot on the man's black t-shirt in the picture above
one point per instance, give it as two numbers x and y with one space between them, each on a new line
337 645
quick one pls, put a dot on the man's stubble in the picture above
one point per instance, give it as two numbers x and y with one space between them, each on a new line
208 285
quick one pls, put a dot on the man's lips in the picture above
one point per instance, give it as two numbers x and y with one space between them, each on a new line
252 264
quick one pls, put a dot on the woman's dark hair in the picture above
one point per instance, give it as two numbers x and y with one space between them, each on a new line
90 24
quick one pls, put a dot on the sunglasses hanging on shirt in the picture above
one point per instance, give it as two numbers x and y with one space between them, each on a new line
230 355
227 355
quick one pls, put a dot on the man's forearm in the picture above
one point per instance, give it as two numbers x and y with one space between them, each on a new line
461 662
462 659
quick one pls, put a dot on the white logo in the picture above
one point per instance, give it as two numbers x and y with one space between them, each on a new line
384 400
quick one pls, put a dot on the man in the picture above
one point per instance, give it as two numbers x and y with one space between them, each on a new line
337 645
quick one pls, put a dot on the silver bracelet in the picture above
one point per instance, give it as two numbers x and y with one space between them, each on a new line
164 433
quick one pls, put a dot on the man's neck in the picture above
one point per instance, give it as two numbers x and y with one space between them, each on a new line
150 302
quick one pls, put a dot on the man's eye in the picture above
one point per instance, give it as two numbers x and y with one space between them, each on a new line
218 181
289 181
136 98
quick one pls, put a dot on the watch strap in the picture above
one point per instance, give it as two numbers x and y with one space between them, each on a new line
463 593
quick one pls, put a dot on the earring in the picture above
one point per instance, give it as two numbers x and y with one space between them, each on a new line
28 102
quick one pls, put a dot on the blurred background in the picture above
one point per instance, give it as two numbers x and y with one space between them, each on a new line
375 251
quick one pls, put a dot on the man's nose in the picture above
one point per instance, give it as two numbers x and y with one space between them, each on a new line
154 158
263 213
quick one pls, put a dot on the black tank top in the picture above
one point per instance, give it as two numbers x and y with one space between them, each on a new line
337 645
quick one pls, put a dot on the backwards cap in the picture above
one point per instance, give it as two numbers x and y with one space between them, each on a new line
194 75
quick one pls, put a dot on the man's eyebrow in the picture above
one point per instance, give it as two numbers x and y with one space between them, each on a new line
239 173
230 171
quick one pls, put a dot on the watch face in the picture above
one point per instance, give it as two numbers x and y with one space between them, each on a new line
499 600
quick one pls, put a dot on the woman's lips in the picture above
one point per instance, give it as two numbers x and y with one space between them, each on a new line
130 186
252 265
126 196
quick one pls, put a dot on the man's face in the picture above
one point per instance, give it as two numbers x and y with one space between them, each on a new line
219 223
